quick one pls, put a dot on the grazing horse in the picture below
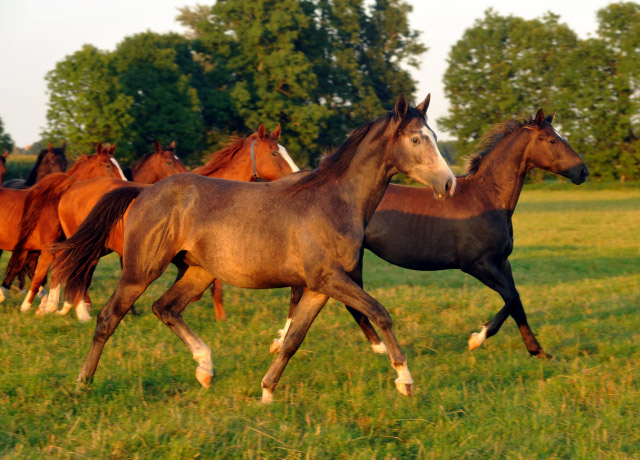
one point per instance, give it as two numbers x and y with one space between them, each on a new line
269 161
41 227
303 230
50 160
473 232
3 167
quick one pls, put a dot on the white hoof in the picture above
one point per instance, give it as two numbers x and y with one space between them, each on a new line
267 396
405 388
66 308
3 294
380 348
26 305
204 377
40 312
477 338
82 312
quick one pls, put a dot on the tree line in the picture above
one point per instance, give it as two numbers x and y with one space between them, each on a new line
321 67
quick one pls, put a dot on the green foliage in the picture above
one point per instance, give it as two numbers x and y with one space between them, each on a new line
86 103
506 66
6 143
19 166
579 279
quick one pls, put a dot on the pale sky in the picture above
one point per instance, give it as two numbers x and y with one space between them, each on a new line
36 34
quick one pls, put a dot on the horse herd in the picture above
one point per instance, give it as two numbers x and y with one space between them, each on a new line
275 226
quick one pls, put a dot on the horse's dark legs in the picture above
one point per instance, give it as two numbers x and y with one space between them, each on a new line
190 284
218 306
500 279
303 315
296 295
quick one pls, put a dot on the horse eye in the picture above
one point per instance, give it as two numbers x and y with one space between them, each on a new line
415 140
553 141
275 154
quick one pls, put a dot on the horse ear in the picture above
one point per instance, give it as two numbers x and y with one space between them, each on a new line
262 133
99 148
113 148
50 147
156 145
550 117
276 133
63 147
173 145
424 105
5 154
401 106
539 117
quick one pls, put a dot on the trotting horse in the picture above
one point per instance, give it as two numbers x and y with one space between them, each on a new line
40 229
302 230
258 157
50 160
472 231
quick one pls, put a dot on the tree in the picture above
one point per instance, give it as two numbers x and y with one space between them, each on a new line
318 67
6 143
86 104
503 67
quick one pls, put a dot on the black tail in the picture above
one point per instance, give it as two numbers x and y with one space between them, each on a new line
75 257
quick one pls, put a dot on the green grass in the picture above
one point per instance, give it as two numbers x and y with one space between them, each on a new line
19 166
577 265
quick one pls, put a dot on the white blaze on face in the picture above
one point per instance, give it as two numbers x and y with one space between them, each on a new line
558 134
426 132
287 158
117 165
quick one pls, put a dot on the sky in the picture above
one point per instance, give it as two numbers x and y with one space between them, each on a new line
36 34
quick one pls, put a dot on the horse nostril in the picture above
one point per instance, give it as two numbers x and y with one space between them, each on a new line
447 186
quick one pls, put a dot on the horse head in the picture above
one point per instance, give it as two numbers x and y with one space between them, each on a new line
270 160
548 150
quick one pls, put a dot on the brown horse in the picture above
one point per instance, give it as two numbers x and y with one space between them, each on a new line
22 235
50 160
158 164
473 231
3 167
270 162
154 166
302 230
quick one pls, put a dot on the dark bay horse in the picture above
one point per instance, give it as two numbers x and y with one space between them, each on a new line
472 231
50 160
22 235
269 161
303 230
3 166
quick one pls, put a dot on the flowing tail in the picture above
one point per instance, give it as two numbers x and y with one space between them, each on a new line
76 257
41 203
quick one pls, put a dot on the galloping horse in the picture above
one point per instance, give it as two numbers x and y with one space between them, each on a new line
3 167
257 157
50 160
473 231
303 230
40 203
158 164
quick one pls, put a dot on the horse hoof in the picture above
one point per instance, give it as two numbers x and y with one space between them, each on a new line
275 346
267 396
477 338
203 377
379 348
404 388
40 312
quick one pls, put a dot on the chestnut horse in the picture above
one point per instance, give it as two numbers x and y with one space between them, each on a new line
473 231
269 161
36 201
158 164
303 230
50 160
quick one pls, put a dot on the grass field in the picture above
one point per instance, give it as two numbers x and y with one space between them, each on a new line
577 265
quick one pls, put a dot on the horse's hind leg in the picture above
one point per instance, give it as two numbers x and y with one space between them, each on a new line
218 305
190 284
296 295
42 267
306 311
501 281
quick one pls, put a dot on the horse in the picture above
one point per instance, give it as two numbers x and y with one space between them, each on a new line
257 157
3 166
154 166
38 230
473 232
50 160
302 230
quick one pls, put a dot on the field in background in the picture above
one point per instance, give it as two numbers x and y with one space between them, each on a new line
576 263
18 166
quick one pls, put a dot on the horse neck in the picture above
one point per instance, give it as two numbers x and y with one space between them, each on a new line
239 168
503 171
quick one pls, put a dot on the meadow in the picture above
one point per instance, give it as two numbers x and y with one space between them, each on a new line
577 266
